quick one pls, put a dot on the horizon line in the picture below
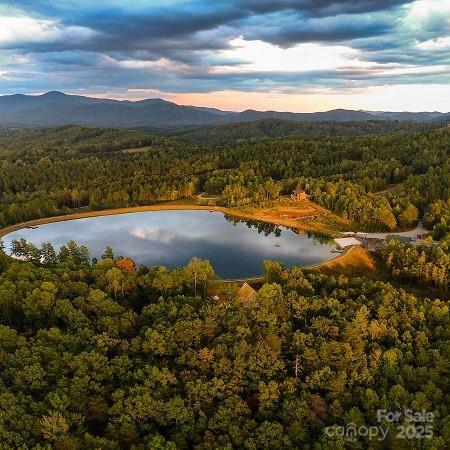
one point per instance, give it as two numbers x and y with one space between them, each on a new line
131 100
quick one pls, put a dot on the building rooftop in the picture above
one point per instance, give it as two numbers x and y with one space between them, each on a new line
347 242
247 293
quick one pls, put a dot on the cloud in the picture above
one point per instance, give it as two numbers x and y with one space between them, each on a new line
199 25
308 7
200 46
293 29
150 234
16 31
441 43
260 56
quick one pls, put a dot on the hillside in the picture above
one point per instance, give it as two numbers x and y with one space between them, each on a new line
70 167
87 365
57 108
277 128
102 353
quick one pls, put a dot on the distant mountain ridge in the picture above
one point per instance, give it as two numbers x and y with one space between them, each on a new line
57 108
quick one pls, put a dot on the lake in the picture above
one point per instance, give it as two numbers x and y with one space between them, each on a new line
235 248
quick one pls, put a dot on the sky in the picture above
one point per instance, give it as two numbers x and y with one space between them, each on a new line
285 55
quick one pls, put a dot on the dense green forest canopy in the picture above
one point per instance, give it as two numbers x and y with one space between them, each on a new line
277 128
107 355
52 171
426 263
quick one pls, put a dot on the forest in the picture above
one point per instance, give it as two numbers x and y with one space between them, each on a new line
104 354
108 355
278 128
427 263
55 171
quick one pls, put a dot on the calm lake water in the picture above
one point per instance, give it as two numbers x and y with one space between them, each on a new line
171 238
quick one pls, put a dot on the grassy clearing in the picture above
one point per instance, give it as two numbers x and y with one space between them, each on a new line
304 216
355 261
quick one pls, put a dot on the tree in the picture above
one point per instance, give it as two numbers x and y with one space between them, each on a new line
115 279
385 216
108 253
25 250
38 306
54 426
272 271
74 253
409 215
199 270
126 265
48 254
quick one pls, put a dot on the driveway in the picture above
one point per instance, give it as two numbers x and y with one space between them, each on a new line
411 233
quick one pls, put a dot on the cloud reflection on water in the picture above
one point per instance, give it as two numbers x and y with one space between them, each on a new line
171 238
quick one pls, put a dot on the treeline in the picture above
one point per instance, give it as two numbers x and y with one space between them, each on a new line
276 128
427 263
437 217
185 280
50 172
351 201
55 171
342 174
18 142
107 355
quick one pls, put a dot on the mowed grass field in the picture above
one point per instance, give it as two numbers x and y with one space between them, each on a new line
355 261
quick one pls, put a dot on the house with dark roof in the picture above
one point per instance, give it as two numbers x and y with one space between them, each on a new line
299 194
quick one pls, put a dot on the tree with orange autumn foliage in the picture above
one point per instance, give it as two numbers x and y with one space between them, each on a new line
126 265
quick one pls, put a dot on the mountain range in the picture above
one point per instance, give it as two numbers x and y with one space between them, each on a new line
57 108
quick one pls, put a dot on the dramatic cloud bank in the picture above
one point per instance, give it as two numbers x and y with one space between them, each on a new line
298 55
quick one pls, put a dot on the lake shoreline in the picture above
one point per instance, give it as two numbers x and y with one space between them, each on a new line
106 212
166 206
